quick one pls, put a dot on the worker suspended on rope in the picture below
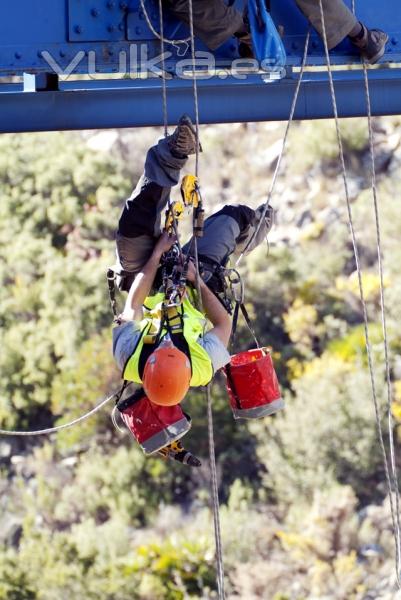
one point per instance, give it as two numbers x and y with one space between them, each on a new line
161 344
215 23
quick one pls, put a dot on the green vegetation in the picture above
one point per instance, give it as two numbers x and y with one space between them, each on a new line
304 509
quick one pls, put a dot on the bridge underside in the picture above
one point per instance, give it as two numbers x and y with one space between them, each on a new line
76 57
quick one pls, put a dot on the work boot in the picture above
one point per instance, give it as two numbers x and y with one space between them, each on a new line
244 243
176 451
371 43
182 142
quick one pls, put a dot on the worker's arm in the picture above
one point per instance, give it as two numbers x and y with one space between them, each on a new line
214 310
143 282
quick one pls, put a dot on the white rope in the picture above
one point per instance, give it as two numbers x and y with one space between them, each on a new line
194 85
395 520
164 86
65 425
215 498
212 454
160 36
283 147
384 329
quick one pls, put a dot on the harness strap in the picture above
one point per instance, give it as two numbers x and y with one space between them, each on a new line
233 387
124 403
241 306
111 282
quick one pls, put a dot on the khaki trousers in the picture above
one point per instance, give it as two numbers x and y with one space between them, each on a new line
338 18
215 22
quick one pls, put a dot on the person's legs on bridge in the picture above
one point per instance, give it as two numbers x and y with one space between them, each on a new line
340 22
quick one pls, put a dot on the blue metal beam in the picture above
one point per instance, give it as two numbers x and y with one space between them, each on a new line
136 103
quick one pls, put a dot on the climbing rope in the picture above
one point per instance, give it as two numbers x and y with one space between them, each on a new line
212 454
49 430
283 147
384 326
164 86
390 479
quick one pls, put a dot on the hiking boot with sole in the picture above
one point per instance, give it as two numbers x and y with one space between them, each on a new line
371 43
248 240
182 142
176 451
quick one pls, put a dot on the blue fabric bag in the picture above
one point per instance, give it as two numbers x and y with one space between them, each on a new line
267 45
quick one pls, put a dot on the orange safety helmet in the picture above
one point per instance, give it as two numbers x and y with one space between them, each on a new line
167 375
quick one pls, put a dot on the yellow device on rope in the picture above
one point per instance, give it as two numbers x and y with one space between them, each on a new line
190 197
190 191
173 214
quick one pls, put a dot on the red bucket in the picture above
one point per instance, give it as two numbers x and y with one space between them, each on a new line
154 426
252 385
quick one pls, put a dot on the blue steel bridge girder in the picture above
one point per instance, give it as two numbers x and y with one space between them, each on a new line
135 103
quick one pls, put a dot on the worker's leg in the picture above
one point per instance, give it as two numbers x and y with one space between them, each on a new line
140 222
339 20
214 21
230 230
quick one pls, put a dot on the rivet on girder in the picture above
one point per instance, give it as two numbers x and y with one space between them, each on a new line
294 46
110 28
123 5
62 53
138 30
94 12
111 4
78 29
121 27
18 55
394 41
314 44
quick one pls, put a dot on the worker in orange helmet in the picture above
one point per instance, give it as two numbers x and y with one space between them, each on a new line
166 352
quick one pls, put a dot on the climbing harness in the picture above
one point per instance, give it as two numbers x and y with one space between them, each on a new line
391 473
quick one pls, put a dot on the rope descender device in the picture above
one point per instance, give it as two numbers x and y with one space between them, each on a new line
191 196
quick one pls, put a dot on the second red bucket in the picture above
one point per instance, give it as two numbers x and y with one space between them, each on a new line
252 385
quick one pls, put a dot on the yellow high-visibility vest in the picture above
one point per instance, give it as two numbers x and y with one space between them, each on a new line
193 320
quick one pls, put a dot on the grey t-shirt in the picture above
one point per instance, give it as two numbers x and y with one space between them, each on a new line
125 338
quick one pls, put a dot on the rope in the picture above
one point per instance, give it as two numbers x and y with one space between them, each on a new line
395 521
195 85
278 164
164 86
65 425
160 36
212 454
215 497
384 329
